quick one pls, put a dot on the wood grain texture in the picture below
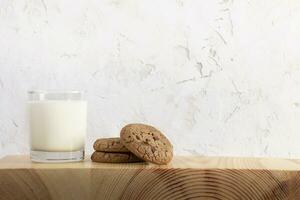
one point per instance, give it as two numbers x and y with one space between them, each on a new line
184 178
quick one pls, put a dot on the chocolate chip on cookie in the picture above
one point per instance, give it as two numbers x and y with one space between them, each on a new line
109 145
106 157
147 143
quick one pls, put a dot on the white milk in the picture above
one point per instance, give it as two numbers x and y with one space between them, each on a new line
57 126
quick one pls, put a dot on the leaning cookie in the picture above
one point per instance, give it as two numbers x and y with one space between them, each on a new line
105 157
109 145
147 143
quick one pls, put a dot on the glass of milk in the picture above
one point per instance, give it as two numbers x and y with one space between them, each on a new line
57 125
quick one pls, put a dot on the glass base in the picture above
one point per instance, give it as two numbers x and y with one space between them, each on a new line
56 157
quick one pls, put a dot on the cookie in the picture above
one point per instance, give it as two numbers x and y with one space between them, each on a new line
109 145
147 143
106 157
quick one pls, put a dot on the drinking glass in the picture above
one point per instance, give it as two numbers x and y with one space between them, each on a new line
57 125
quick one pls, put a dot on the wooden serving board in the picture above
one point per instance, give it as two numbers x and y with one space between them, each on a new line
184 178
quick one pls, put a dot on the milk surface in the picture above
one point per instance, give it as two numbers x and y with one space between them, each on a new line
57 126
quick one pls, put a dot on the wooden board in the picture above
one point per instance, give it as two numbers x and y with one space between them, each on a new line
184 178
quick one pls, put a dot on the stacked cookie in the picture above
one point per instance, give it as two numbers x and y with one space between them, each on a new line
111 150
137 143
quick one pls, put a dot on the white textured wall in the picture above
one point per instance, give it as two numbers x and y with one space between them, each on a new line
218 77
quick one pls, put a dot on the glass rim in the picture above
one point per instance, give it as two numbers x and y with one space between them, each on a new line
56 92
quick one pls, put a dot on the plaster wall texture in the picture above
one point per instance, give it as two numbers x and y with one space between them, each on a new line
220 78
